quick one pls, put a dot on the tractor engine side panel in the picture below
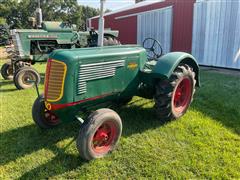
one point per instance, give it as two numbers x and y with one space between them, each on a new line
114 76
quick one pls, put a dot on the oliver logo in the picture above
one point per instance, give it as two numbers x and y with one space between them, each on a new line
132 65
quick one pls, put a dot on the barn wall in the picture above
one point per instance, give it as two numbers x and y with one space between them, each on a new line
182 23
216 33
161 30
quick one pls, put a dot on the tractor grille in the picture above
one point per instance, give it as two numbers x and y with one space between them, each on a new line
17 42
54 80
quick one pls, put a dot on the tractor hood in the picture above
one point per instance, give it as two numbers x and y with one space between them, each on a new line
127 60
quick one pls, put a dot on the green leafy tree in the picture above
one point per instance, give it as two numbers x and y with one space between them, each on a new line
17 13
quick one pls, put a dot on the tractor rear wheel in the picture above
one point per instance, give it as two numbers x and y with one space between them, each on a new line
7 71
26 77
110 41
173 96
43 118
100 134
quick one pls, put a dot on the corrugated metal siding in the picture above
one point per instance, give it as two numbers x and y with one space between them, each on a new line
181 30
216 33
158 25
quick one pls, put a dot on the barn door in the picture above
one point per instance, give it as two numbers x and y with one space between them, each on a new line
156 24
216 33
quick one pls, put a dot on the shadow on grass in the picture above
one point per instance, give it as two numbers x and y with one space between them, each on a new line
218 98
227 116
26 140
6 82
8 90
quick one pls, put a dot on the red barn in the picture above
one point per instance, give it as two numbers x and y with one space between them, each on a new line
169 21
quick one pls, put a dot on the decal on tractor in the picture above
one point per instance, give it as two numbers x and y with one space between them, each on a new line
132 66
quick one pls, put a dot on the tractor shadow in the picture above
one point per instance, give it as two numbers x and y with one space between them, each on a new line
219 100
4 84
29 139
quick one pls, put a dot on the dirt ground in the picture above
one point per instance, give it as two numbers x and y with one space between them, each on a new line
3 53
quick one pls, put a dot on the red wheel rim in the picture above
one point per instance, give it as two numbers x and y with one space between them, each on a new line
50 117
104 137
182 95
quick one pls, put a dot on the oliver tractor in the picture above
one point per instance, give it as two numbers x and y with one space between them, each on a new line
81 80
34 46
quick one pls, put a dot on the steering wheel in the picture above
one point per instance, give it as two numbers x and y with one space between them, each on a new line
75 38
153 47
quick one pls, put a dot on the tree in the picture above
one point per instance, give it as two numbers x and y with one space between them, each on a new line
3 20
17 13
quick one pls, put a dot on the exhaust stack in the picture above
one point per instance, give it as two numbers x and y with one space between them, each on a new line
101 24
39 15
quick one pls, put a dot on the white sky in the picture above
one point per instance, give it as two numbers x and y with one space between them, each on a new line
110 4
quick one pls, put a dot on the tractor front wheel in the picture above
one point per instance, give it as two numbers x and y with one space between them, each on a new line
43 118
173 96
26 77
7 71
100 134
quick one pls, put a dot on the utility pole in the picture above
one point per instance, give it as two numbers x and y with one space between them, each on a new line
101 24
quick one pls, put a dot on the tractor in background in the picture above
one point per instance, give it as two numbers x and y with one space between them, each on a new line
87 80
34 46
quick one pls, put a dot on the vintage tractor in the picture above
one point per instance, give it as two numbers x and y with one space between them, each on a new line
34 46
81 80
78 81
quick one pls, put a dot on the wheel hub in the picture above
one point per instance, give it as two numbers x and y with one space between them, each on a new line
27 78
182 95
50 117
103 137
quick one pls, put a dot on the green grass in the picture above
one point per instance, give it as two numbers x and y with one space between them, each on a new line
204 143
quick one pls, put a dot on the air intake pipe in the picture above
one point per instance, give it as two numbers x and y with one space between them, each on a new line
101 24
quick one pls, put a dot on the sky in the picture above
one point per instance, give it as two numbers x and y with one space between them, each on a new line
110 4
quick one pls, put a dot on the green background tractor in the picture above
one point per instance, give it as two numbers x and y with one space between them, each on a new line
90 79
34 46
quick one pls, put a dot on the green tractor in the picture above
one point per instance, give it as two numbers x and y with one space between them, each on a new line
34 46
79 81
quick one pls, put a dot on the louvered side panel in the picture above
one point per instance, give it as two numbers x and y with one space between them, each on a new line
88 72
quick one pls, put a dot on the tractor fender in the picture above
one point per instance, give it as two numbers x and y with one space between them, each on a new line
169 62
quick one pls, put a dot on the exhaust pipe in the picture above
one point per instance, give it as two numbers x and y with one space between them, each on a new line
39 16
101 24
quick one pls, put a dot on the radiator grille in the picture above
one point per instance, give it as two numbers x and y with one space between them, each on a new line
17 43
54 80
88 72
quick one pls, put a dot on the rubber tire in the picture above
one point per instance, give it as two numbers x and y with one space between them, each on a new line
4 71
164 93
20 72
38 114
110 41
89 128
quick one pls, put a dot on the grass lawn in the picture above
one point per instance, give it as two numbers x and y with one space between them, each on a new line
204 143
